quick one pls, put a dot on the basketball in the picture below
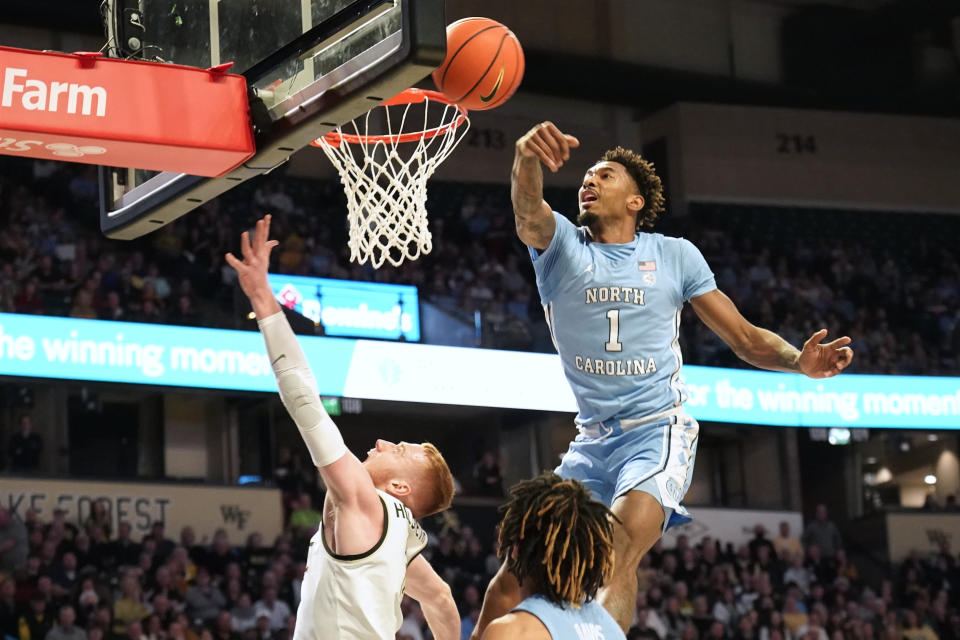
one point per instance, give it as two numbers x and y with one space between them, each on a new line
484 64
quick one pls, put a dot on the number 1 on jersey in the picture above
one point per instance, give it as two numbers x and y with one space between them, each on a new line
613 344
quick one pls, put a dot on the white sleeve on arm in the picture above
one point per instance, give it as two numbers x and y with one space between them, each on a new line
298 391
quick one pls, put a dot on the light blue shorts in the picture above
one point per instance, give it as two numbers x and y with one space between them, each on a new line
653 456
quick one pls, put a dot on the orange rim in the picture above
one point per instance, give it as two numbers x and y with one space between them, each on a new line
407 96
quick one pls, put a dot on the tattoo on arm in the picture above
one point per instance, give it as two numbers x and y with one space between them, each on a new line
526 187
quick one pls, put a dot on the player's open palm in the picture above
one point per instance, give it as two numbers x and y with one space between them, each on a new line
824 360
252 270
547 143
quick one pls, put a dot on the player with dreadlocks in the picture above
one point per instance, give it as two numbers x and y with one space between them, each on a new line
558 543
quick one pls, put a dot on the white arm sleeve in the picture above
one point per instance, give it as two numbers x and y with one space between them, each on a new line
298 391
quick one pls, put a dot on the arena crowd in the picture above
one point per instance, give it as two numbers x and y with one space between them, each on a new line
796 270
97 580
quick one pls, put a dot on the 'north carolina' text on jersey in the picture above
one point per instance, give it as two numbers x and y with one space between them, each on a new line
590 621
614 314
358 597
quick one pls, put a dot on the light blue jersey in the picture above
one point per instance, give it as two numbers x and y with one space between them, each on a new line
590 622
614 315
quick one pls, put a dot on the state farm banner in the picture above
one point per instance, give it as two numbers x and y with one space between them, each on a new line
733 526
238 510
921 531
123 113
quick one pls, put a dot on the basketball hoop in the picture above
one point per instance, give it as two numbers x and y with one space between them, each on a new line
386 189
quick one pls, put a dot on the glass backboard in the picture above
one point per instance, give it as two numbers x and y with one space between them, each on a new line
310 65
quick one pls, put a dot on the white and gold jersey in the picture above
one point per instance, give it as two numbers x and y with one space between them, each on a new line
358 597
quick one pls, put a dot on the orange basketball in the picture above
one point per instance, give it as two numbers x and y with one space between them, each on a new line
484 64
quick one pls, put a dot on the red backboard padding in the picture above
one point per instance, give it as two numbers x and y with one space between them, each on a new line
82 107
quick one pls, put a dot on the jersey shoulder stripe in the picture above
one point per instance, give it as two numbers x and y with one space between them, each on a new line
366 554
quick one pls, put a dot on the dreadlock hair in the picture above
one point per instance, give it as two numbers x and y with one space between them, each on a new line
556 538
648 183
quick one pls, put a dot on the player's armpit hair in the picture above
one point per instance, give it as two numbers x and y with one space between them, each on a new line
556 539
648 183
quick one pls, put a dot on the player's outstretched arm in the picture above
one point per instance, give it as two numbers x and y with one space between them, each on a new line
547 144
767 350
426 587
503 594
348 483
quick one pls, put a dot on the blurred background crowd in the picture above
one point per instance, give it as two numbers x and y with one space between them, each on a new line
93 580
890 284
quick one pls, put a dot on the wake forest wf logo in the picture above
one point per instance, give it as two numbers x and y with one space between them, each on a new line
233 514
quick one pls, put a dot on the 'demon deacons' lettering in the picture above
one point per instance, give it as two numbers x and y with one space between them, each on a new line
600 367
35 95
626 295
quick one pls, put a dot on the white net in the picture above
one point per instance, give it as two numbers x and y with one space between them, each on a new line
385 174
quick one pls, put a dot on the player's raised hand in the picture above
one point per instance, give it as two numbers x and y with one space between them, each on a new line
547 143
252 270
824 360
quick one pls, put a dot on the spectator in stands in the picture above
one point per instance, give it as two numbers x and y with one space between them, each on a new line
844 569
25 447
725 609
275 610
262 630
100 517
81 549
120 552
220 555
243 616
9 287
304 519
760 540
822 570
674 619
794 613
203 600
28 299
83 305
823 533
134 631
647 625
413 620
488 475
37 619
13 542
814 629
188 540
65 577
66 629
785 544
222 629
185 314
701 618
165 545
161 607
48 555
151 628
9 609
113 308
256 557
129 607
